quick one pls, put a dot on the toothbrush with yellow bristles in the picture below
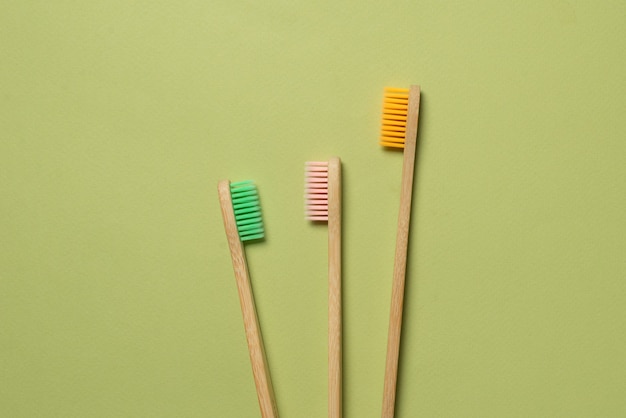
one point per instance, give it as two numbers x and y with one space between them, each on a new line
399 130
242 221
323 204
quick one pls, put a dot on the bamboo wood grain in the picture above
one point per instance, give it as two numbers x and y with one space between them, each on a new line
335 406
399 270
260 370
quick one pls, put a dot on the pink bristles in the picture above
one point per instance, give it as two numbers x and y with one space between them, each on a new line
316 194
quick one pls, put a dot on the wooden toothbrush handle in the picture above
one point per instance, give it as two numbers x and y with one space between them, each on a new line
399 268
335 406
260 370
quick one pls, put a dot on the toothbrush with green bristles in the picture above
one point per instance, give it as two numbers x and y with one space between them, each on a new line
242 221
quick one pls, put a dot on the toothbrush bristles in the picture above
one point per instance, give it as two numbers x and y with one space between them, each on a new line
316 191
395 111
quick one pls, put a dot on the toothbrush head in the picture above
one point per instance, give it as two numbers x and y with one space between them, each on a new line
316 190
395 114
247 210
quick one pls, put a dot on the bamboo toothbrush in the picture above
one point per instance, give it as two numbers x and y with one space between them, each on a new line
399 130
323 203
242 221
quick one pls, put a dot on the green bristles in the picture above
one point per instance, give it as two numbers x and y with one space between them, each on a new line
247 210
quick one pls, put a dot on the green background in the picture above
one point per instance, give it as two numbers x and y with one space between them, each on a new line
117 119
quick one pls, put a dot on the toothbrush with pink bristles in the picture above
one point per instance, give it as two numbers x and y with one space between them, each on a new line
323 204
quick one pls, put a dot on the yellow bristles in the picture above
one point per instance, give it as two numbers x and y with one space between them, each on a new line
395 110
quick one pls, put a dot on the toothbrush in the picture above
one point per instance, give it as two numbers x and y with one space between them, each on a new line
323 203
399 130
242 221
